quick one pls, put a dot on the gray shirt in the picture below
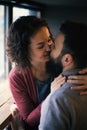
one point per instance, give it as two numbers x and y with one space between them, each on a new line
64 109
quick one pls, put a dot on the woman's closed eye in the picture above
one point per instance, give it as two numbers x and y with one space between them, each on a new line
41 46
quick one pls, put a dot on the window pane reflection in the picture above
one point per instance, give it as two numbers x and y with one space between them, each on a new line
2 42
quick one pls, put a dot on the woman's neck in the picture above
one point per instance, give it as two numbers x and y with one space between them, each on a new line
39 72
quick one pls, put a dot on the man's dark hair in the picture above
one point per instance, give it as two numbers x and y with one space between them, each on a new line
19 36
75 42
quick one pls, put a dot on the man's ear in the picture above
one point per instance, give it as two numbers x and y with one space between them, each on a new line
67 59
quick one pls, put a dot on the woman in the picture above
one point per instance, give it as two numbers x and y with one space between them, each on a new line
29 45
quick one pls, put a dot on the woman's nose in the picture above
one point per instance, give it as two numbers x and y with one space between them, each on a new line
50 47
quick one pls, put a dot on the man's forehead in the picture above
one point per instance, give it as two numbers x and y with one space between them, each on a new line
60 36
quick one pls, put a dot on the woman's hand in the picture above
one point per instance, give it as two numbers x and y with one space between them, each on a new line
79 79
57 82
16 121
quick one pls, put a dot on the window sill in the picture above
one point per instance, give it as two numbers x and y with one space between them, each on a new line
5 103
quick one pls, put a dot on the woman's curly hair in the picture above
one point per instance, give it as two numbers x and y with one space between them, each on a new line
19 36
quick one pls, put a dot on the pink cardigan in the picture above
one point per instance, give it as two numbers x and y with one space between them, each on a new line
25 95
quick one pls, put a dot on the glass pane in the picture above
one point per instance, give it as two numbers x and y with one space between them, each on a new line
35 13
17 12
2 41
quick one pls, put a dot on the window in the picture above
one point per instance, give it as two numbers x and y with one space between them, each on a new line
17 12
2 52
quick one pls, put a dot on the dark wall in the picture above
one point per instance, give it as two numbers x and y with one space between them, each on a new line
55 15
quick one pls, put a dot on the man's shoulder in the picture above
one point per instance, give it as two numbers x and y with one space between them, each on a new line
60 96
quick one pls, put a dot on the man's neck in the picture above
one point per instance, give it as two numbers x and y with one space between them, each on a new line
69 67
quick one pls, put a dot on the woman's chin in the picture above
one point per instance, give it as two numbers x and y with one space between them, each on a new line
47 58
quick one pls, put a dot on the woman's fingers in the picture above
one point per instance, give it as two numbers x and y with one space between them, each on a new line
83 93
82 87
14 109
57 83
78 79
83 71
81 80
77 82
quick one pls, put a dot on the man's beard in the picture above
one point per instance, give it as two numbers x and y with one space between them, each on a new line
54 67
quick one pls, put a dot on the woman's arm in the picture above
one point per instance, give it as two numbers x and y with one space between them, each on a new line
25 98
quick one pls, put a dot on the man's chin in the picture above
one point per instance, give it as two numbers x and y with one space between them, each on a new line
52 68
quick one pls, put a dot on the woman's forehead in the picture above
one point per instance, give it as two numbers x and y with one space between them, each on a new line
41 36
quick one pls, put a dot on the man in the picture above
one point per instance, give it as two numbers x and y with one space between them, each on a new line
65 109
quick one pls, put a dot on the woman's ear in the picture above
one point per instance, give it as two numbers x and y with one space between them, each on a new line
67 59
